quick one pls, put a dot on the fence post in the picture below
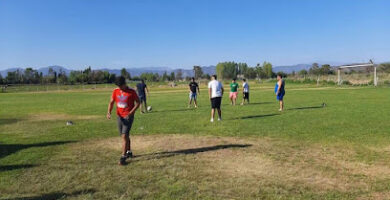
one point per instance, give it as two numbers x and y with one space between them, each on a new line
338 77
375 78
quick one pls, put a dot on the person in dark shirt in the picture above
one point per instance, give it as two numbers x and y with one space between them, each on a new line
194 90
142 90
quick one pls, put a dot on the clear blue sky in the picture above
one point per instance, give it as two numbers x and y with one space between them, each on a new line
183 33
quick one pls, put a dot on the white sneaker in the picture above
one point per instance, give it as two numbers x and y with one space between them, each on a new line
211 120
219 119
280 110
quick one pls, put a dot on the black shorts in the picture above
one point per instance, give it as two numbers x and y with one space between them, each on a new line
216 102
124 125
246 95
142 98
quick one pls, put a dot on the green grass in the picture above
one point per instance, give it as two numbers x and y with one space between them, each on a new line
41 157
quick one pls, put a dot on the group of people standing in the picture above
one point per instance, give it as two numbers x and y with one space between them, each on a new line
216 91
128 101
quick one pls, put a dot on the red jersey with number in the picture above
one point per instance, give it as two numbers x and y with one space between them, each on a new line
124 100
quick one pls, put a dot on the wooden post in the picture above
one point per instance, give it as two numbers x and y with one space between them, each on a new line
338 77
375 78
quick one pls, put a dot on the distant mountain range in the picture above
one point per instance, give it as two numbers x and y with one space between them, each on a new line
291 68
160 70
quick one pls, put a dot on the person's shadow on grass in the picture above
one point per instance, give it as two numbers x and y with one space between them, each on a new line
55 195
14 167
8 121
166 154
307 107
8 149
256 116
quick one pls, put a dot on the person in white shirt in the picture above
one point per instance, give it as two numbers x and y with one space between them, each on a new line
215 94
245 91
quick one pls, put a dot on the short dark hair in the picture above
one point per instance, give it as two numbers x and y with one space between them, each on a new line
142 81
280 75
215 76
244 79
234 79
119 81
193 78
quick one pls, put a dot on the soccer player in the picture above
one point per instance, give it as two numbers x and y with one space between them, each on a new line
127 102
233 92
142 89
215 94
280 92
194 90
245 92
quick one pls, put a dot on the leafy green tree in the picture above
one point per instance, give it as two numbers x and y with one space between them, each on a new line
384 67
326 69
315 70
13 77
206 76
250 73
227 70
242 68
302 73
125 73
112 78
106 76
198 72
30 76
172 76
220 69
267 68
179 75
1 79
282 74
76 77
165 76
150 76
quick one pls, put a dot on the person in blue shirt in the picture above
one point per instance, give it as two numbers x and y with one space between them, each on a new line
279 91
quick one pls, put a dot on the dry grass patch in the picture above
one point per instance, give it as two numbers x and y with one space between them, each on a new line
263 162
185 166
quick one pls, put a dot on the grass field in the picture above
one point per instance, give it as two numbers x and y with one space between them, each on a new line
341 151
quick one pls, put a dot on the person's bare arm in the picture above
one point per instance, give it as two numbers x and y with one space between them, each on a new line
198 89
209 93
147 91
222 90
110 106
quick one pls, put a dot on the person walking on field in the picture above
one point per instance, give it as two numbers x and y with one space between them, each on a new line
194 91
215 94
127 102
233 92
280 92
142 92
245 92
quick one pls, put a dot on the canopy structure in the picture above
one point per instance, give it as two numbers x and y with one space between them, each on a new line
369 64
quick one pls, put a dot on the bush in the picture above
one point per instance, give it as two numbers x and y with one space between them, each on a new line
346 83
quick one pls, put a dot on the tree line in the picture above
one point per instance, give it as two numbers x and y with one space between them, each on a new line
224 70
89 76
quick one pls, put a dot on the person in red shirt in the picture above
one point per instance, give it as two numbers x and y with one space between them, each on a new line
127 102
